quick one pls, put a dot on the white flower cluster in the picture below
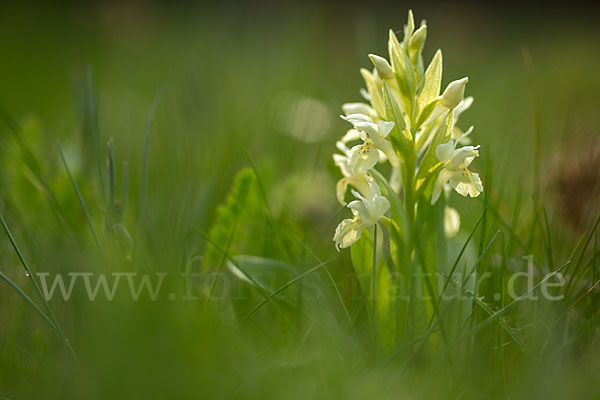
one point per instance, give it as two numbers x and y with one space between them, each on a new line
406 122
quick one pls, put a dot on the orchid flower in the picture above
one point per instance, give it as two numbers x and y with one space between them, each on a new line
453 94
358 181
353 134
359 108
366 211
364 156
456 170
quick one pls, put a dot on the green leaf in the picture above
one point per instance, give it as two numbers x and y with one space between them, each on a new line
267 274
405 74
362 260
400 136
409 28
397 213
405 77
393 46
430 162
432 82
425 113
400 255
420 70
417 42
374 90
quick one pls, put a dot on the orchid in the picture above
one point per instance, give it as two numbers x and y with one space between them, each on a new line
366 211
408 120
358 181
364 156
456 170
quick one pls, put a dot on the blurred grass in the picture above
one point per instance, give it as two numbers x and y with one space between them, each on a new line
225 73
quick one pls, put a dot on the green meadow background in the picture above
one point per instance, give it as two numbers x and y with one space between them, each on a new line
262 84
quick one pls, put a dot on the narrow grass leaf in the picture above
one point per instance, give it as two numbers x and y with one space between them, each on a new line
80 197
282 288
145 159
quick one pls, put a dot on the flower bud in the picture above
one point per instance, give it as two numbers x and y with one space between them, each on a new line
451 222
383 67
454 93
409 28
418 40
358 108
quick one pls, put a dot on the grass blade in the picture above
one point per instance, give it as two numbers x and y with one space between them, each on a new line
112 178
334 284
527 59
145 159
285 286
28 300
81 202
571 283
519 299
460 254
270 219
35 284
124 190
35 176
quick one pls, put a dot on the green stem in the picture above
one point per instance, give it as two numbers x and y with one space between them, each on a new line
374 277
409 205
